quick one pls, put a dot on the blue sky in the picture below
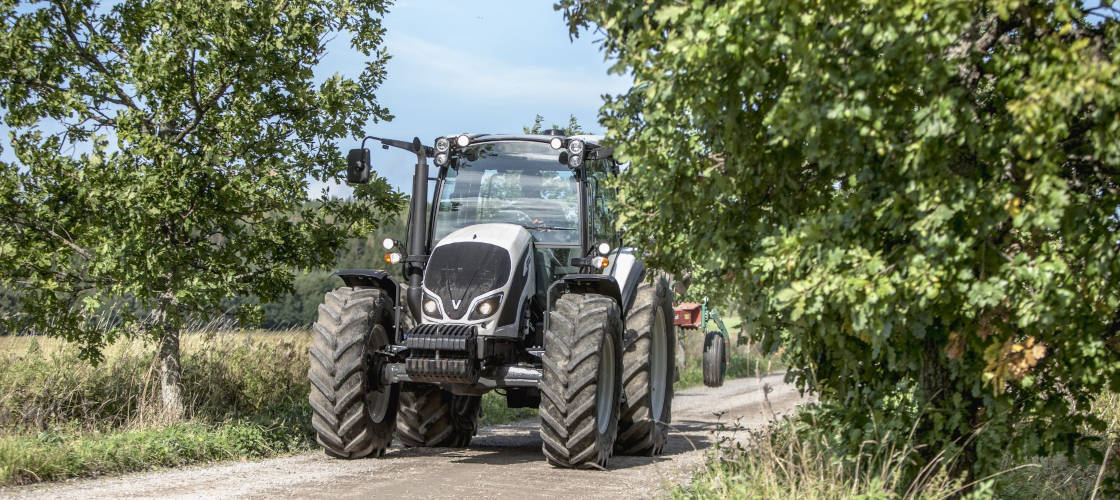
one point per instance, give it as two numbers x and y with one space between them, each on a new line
478 67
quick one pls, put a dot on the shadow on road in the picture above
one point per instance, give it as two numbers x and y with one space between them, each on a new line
525 447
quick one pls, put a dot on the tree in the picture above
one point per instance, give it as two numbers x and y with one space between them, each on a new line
164 155
573 127
917 199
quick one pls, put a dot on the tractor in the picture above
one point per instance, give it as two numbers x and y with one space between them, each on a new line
515 280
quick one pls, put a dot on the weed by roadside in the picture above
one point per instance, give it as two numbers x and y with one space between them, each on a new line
791 460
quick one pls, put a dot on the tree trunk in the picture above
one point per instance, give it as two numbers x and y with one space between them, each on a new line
170 374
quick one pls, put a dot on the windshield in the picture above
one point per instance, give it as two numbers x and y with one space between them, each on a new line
515 182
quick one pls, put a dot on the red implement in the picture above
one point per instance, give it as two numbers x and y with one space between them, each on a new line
687 315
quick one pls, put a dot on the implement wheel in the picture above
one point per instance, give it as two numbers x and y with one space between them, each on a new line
715 359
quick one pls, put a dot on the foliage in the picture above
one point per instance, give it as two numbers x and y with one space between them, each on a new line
228 375
917 199
573 127
54 455
164 155
300 307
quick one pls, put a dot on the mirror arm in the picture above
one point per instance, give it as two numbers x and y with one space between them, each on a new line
405 145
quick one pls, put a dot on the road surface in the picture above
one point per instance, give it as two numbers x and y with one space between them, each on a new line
503 461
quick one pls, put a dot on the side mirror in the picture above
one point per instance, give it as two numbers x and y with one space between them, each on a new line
357 166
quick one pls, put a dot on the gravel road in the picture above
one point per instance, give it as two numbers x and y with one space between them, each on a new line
503 461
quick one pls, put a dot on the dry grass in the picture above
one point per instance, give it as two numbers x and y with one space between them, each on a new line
788 461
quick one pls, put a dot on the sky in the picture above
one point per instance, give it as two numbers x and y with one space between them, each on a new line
476 67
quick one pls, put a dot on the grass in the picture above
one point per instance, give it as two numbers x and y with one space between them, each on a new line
246 398
61 417
786 461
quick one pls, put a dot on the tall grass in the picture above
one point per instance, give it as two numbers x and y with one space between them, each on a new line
246 396
789 459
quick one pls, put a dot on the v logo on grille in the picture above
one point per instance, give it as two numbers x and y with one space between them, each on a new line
455 304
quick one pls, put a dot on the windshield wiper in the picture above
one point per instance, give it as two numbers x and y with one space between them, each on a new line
547 228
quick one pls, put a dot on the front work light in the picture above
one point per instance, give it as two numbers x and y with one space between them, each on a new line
463 141
388 243
604 248
556 143
575 146
442 145
392 258
574 161
441 159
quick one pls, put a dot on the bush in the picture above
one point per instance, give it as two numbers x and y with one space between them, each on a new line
916 199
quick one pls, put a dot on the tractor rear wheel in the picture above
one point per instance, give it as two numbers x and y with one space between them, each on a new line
581 387
353 414
715 359
430 416
648 371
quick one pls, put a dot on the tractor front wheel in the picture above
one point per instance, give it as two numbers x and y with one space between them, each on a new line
353 414
581 387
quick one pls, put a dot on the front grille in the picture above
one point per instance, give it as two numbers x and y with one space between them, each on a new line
459 272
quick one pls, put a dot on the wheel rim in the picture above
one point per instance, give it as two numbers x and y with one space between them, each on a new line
658 363
377 402
604 394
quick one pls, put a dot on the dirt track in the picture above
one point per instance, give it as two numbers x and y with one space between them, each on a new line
503 461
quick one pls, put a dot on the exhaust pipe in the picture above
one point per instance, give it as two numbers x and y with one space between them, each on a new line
417 234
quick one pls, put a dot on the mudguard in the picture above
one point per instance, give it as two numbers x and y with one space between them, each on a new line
628 271
602 284
371 278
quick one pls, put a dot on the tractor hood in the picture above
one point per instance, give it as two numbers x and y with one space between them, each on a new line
474 265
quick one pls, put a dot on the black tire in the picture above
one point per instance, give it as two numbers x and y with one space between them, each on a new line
351 420
649 369
579 409
430 416
715 359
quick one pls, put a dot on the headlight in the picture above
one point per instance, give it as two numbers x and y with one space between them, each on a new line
442 145
430 307
486 308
